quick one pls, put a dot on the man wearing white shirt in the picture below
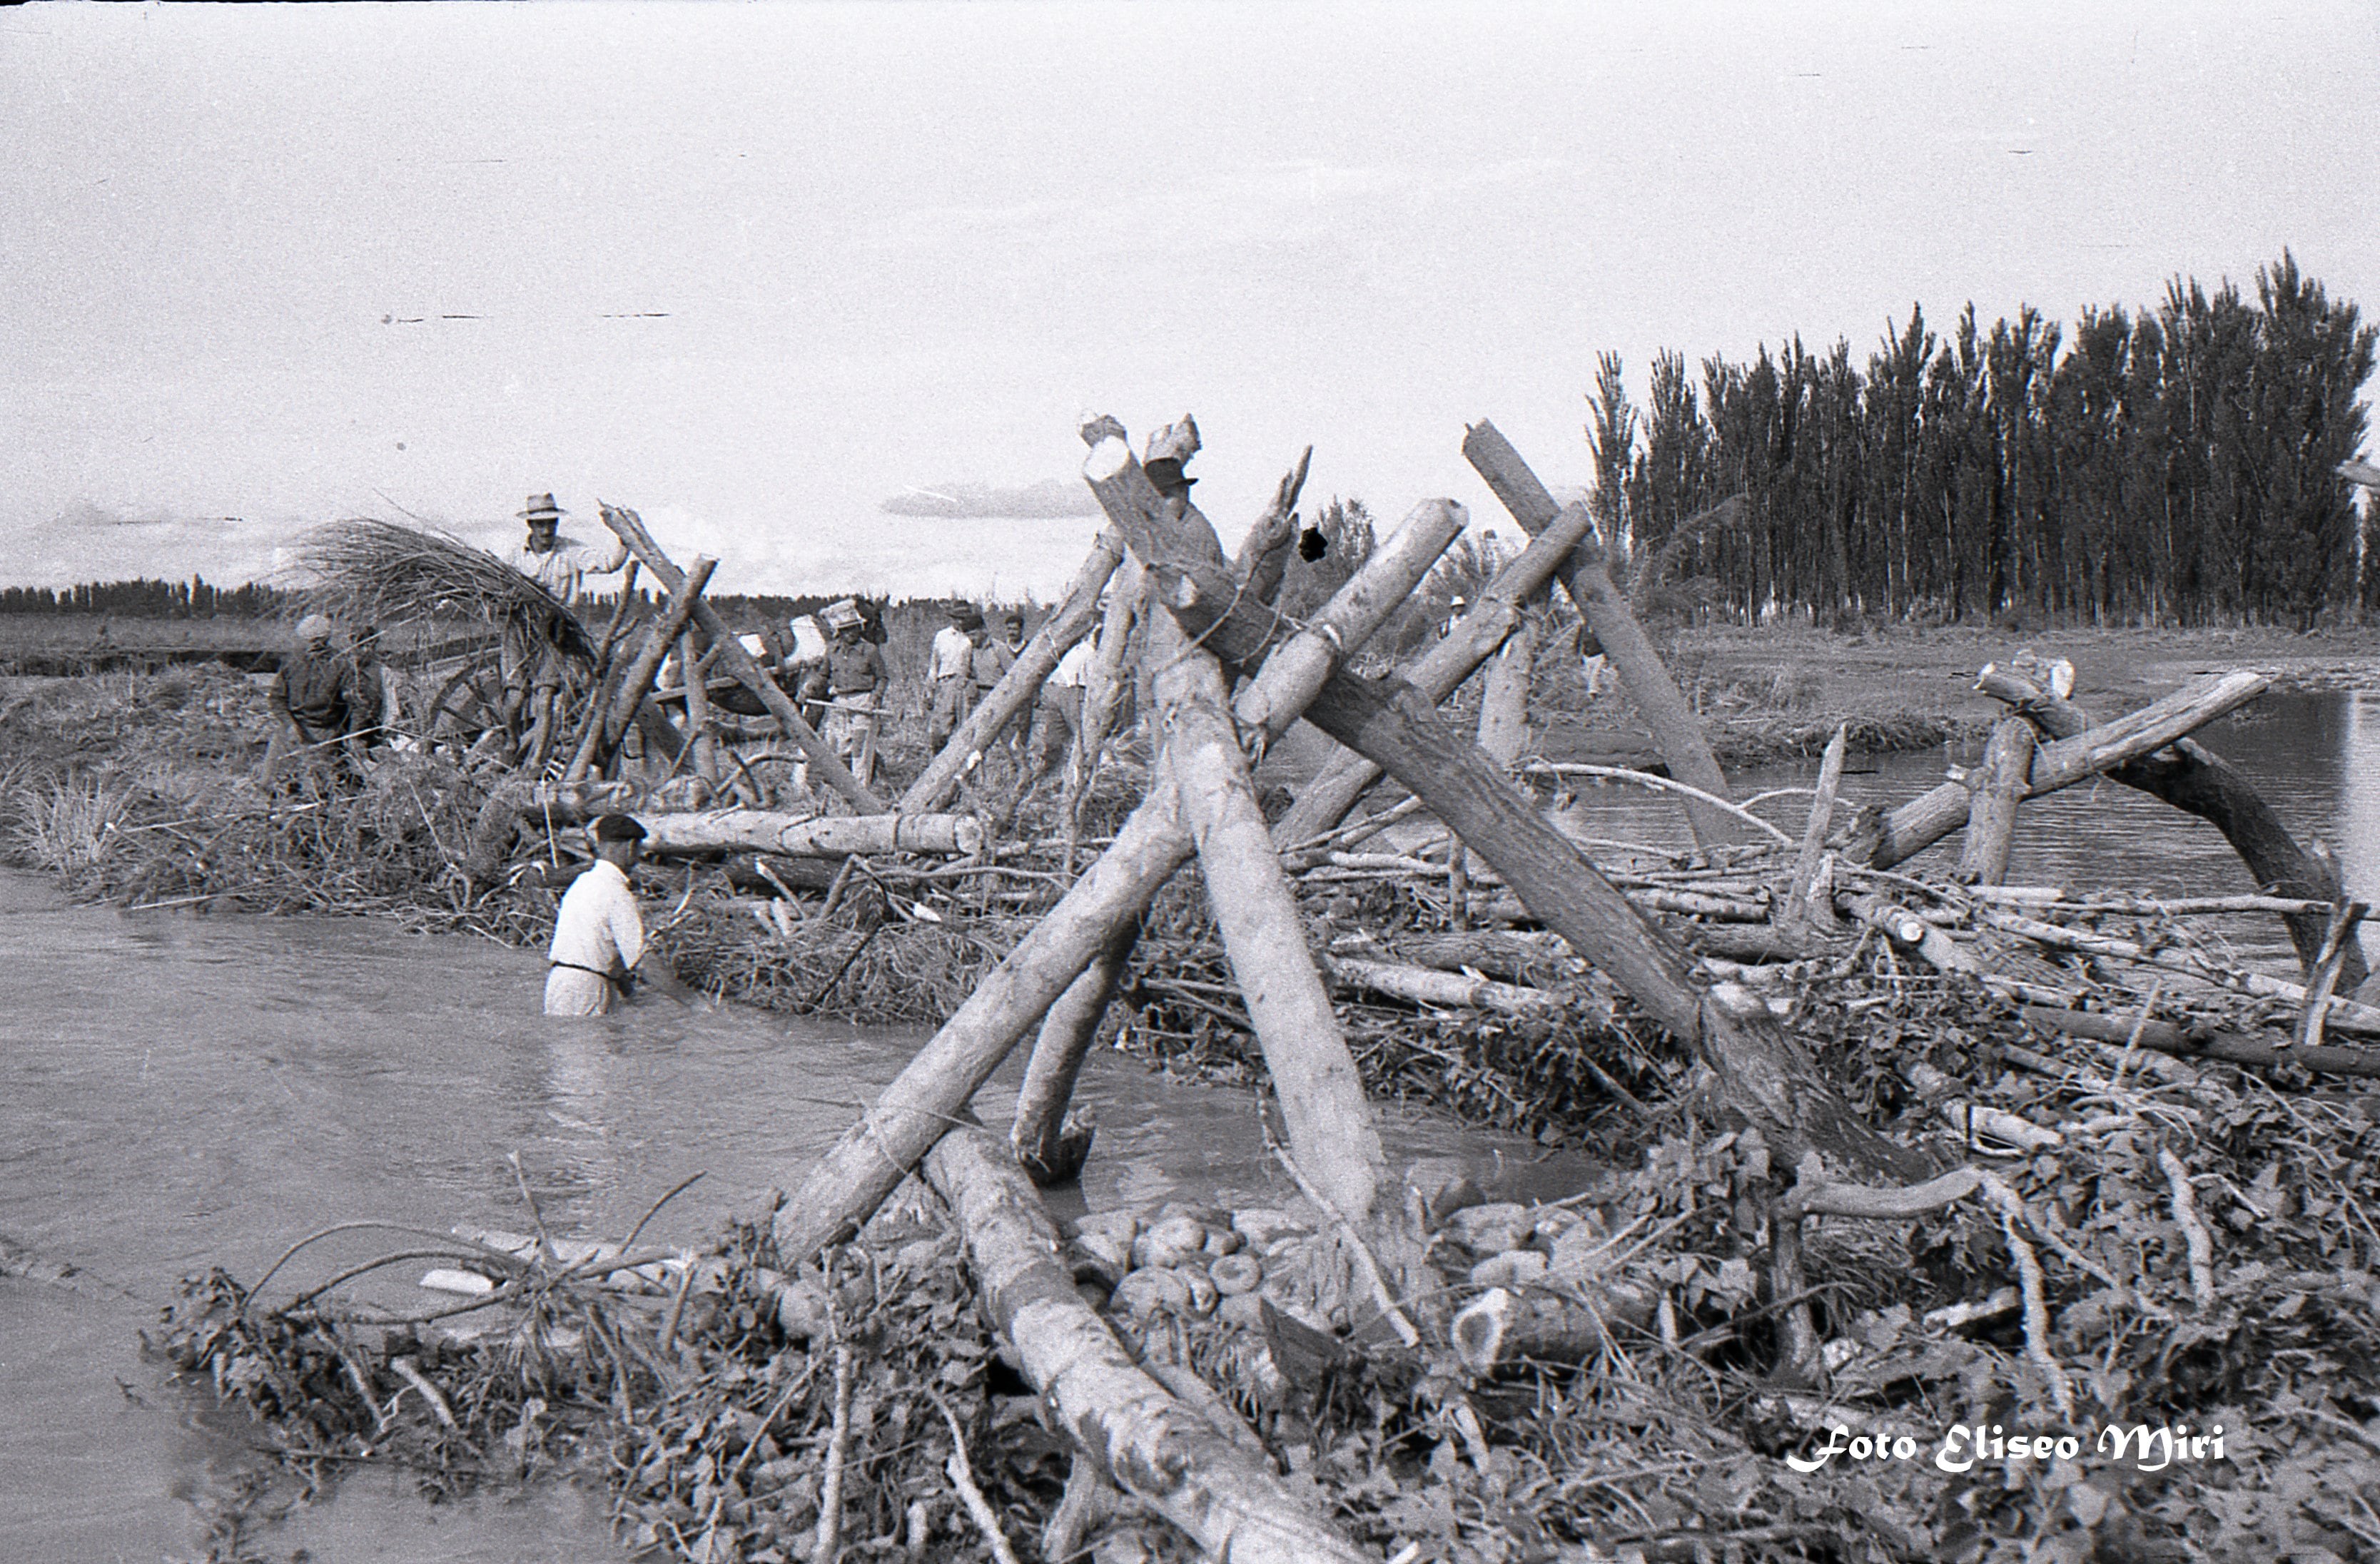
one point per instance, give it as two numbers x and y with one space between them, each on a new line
532 666
599 935
949 672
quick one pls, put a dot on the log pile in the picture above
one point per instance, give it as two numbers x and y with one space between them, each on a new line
1732 986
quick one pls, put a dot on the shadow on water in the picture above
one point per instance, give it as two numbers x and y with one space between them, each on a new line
181 1093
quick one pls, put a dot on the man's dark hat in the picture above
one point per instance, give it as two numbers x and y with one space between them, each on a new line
541 508
1166 473
617 828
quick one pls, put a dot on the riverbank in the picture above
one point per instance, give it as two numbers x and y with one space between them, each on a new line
1661 1428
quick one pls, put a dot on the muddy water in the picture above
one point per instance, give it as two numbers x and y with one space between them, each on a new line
177 1092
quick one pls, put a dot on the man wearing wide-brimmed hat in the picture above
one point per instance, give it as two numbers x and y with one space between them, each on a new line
561 564
855 685
534 670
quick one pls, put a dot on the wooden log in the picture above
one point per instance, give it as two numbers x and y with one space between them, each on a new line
1322 803
1050 1146
1299 665
1504 702
808 836
1329 1124
1761 1073
1588 581
2196 780
2344 1016
2202 1042
1263 559
698 713
1501 1327
825 764
2000 784
871 1158
1450 990
1103 691
1021 685
1142 1439
1807 902
1885 839
620 710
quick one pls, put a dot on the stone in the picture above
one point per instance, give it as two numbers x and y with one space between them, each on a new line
1513 1268
1169 1243
1235 1274
1492 1230
1147 1292
1263 1227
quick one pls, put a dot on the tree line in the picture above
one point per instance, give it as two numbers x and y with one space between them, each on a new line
196 599
2168 466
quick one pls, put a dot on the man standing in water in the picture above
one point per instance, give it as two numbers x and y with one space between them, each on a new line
599 935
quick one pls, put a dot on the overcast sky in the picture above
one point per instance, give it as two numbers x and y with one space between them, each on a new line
824 289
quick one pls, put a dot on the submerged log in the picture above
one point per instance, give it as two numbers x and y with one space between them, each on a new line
2001 782
2198 782
825 764
1909 830
1022 683
1048 1146
1142 1439
1613 622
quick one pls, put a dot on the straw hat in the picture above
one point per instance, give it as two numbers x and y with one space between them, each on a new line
541 508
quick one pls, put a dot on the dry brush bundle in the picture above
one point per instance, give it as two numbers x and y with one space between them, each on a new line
364 571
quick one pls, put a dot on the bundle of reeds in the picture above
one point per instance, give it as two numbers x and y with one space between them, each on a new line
364 571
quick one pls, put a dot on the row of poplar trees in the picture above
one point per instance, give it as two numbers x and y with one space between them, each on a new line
2170 465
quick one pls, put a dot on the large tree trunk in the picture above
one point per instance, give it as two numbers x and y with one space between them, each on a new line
1314 1074
1140 1439
1504 703
1608 616
825 764
1022 683
2196 780
2001 782
606 733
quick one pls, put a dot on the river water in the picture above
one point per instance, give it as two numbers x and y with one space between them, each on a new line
177 1092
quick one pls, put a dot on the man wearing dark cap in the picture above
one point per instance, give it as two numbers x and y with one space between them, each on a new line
599 935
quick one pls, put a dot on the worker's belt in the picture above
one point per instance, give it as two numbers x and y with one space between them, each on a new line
623 984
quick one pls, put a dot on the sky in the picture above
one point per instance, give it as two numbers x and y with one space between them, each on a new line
825 290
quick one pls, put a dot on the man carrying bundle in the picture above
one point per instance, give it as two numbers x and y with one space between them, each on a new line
532 662
598 934
314 691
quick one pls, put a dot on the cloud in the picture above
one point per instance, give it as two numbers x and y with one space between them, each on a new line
1045 499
